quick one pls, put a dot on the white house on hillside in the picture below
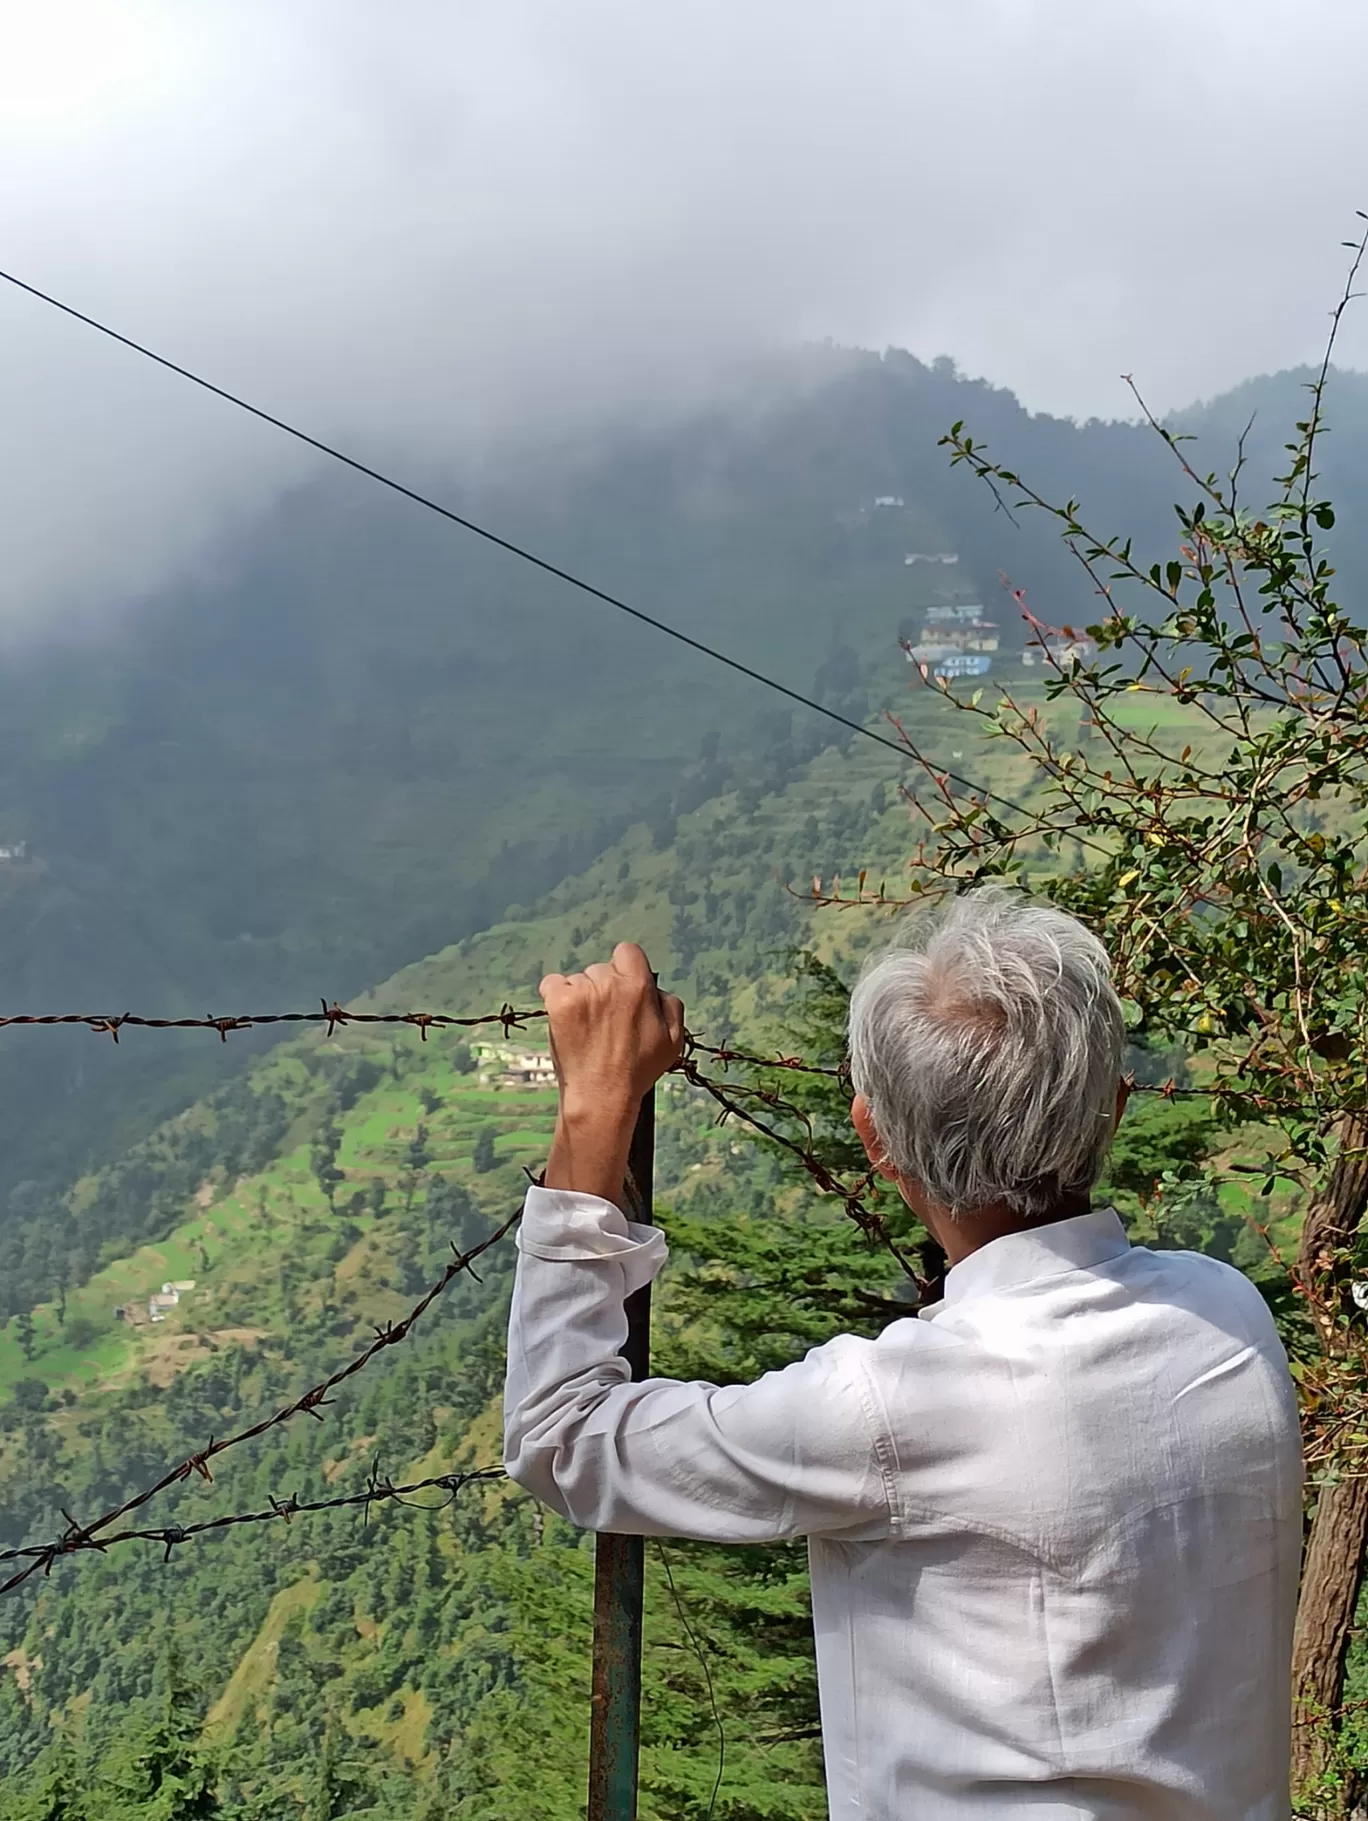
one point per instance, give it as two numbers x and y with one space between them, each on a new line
507 1065
167 1298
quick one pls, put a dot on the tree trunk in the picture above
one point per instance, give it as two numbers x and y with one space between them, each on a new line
1333 1568
1325 1613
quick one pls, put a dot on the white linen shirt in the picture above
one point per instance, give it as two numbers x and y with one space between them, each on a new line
1054 1524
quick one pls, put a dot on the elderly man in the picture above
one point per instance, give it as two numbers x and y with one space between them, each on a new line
1054 1520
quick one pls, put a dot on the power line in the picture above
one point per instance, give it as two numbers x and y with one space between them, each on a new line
903 748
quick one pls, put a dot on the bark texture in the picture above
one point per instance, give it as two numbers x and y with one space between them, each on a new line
1333 1570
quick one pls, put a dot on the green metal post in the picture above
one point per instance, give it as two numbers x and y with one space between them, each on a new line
619 1564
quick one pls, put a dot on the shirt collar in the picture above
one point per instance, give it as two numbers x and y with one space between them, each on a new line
1017 1258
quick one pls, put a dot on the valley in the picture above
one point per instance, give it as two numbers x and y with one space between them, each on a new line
237 1220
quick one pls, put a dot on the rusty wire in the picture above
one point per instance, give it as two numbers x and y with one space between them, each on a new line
729 1096
98 1535
78 1537
1171 1089
735 1100
379 1489
335 1017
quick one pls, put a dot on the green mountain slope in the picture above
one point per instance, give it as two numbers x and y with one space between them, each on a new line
403 1664
429 1637
359 734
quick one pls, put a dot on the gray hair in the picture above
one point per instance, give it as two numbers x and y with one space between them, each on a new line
988 1043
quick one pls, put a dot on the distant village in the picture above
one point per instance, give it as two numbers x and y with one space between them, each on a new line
508 1065
959 640
139 1312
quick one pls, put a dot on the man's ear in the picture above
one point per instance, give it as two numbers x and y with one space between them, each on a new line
863 1121
1123 1094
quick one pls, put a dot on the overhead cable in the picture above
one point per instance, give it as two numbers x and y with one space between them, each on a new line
903 747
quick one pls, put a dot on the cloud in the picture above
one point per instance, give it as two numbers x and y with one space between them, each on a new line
433 230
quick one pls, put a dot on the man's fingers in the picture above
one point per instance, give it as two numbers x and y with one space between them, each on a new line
612 1024
630 958
672 1010
603 986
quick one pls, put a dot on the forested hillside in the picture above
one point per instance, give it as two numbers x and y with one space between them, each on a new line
397 1662
314 769
411 1652
360 734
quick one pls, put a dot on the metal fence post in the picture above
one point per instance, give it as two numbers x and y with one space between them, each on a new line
619 1563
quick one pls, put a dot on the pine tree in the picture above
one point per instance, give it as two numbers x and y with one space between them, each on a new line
323 1158
59 1792
416 1160
160 1770
483 1156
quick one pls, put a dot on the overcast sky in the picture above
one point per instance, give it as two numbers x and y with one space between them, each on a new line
427 225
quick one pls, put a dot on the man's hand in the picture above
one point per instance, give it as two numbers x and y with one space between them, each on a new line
613 1035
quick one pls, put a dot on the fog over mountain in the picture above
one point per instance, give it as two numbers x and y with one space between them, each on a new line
443 233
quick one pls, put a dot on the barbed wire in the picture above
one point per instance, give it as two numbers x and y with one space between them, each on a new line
735 1100
335 1017
379 1489
852 1194
78 1537
730 1096
98 1535
732 1099
1170 1088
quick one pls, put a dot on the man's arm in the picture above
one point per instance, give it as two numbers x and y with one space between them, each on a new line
793 1454
613 1035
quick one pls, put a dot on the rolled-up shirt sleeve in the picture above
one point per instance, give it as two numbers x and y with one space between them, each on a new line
794 1454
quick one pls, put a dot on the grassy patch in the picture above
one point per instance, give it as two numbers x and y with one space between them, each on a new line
250 1682
277 1223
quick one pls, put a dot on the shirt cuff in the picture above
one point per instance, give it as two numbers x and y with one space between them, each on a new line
564 1226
